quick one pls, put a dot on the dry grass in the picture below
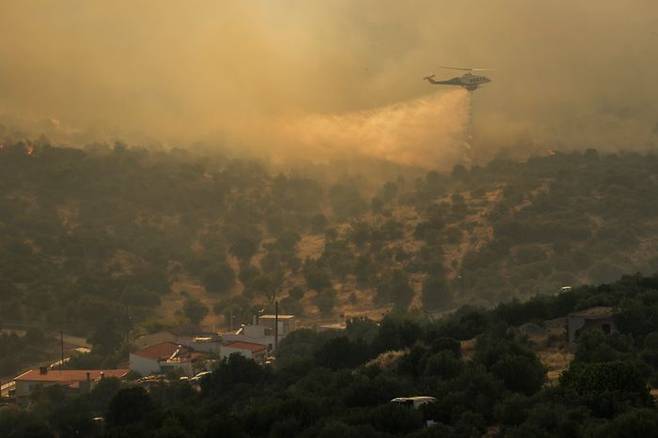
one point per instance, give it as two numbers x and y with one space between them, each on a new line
170 310
310 246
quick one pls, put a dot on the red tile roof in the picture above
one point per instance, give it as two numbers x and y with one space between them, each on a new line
68 376
161 351
240 345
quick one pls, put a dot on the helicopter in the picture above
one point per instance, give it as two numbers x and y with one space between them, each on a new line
468 80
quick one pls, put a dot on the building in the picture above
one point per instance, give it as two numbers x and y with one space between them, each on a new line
257 352
75 380
262 330
207 344
155 338
187 336
332 327
601 317
163 357
287 323
415 402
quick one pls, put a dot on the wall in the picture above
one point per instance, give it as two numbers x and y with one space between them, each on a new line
143 365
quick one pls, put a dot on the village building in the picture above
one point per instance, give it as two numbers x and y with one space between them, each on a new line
190 337
262 330
81 381
601 317
163 357
286 323
332 327
256 352
209 343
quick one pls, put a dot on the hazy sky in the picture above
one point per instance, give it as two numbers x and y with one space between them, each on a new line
265 74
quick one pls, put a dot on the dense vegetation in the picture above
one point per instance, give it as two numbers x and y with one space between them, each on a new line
340 383
96 237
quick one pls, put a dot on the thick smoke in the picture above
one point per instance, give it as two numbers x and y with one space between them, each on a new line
422 132
293 77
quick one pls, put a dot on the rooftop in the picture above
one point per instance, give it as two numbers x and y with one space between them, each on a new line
253 347
597 312
68 376
161 351
333 326
155 338
419 398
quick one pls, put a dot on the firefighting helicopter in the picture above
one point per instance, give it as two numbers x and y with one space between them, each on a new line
468 80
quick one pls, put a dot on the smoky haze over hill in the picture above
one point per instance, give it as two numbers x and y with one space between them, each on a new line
313 79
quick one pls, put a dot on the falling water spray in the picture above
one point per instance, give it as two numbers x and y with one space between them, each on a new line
468 131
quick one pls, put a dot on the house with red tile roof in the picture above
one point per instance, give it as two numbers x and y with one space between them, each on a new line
250 350
75 380
162 357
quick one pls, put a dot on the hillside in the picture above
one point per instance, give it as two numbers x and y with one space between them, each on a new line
131 236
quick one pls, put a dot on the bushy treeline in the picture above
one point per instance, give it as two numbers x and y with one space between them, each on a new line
332 384
16 350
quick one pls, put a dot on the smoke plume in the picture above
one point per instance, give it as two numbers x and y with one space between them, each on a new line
313 76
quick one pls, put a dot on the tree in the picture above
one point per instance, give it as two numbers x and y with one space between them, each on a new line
316 278
219 279
396 419
129 406
396 333
15 422
340 352
194 310
244 247
436 294
296 293
107 337
338 429
512 362
605 376
232 371
318 223
632 424
395 288
326 301
346 201
103 393
135 295
444 365
520 373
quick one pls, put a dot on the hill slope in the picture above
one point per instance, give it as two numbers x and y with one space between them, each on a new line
132 235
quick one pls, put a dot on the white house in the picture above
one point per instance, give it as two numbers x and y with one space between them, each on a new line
206 344
262 332
76 380
196 340
287 323
162 357
257 352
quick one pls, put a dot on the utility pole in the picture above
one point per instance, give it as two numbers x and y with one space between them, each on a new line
61 343
276 325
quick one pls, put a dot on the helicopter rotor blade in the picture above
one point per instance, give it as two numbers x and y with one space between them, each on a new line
466 68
